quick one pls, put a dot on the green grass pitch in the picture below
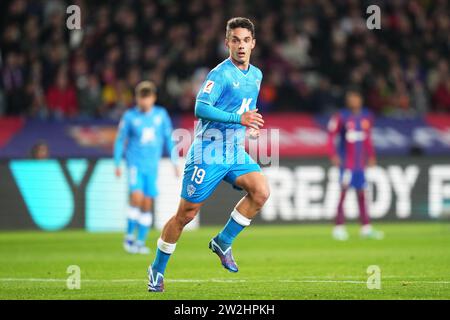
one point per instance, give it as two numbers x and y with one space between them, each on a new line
276 262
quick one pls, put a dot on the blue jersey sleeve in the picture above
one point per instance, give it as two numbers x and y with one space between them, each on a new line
208 112
206 105
212 88
122 136
170 146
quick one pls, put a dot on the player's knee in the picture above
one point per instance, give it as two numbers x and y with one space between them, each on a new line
186 215
260 195
147 205
136 199
135 203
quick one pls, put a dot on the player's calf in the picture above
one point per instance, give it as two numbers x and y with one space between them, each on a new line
187 211
257 193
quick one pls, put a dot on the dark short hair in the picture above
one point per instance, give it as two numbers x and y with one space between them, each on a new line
240 22
145 89
353 90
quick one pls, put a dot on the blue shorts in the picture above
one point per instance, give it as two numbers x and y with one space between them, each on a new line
143 181
352 178
201 179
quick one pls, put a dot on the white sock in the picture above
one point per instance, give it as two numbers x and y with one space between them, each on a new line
133 213
166 247
239 218
146 219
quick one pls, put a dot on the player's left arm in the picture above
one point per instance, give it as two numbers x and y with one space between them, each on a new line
171 148
252 132
368 144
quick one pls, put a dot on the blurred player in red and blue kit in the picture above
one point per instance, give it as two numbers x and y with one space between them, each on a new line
351 149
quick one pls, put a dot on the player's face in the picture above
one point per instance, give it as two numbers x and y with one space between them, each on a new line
354 102
42 152
146 103
240 43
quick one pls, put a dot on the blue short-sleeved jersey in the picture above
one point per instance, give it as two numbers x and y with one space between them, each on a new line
144 135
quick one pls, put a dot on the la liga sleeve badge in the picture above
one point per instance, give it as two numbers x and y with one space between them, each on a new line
208 86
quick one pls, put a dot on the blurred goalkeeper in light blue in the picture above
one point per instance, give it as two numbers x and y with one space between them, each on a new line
143 132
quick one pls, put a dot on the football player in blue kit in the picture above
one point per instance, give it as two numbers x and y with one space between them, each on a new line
225 106
143 132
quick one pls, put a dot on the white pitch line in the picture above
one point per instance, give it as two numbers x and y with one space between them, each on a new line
31 280
321 281
216 280
403 277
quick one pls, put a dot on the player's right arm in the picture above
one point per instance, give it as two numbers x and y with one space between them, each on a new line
334 127
119 145
206 105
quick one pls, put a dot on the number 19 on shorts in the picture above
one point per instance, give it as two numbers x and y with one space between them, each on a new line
198 175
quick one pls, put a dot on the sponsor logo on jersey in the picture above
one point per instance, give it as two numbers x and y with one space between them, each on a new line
148 135
355 136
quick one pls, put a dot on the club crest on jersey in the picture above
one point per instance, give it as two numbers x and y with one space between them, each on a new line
190 190
137 122
208 86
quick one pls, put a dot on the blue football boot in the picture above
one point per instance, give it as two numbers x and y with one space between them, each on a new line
155 281
129 246
226 257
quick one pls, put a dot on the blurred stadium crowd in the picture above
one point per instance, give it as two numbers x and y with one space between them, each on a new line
309 51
